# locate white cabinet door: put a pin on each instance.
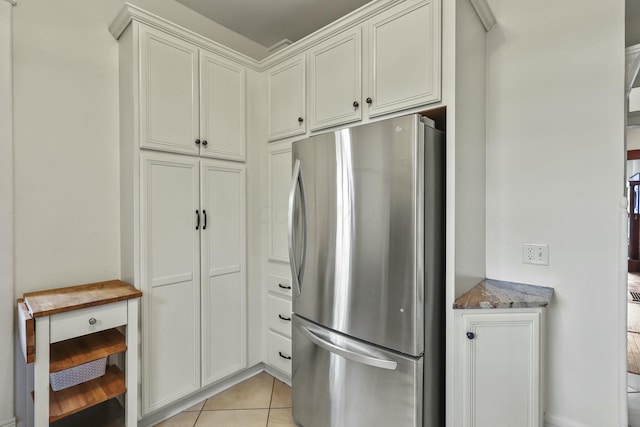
(501, 370)
(168, 93)
(279, 169)
(404, 58)
(335, 80)
(170, 276)
(224, 328)
(286, 99)
(222, 108)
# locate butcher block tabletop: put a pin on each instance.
(53, 301)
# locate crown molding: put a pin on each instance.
(130, 12)
(280, 45)
(349, 20)
(485, 13)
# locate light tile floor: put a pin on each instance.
(260, 401)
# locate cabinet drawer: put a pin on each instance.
(79, 322)
(279, 315)
(279, 352)
(279, 284)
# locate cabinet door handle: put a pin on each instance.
(471, 335)
(198, 219)
(284, 356)
(288, 319)
(197, 142)
(92, 321)
(355, 104)
(204, 226)
(280, 285)
(369, 101)
(300, 120)
(204, 142)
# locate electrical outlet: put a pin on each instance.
(533, 253)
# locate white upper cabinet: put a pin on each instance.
(222, 108)
(404, 63)
(168, 93)
(191, 101)
(286, 99)
(335, 80)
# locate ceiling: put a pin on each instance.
(268, 22)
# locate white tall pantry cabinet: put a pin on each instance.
(183, 214)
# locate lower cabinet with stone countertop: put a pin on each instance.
(499, 343)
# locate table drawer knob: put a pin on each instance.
(92, 321)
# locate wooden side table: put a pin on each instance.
(67, 327)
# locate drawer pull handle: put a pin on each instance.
(471, 335)
(284, 356)
(288, 319)
(280, 285)
(92, 321)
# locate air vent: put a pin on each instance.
(635, 296)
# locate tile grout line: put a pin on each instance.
(273, 386)
(199, 413)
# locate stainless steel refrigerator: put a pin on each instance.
(366, 248)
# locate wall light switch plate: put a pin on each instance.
(535, 253)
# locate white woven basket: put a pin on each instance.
(78, 374)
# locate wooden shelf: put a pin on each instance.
(82, 396)
(85, 349)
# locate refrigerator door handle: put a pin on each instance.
(295, 272)
(364, 359)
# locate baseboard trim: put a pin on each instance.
(8, 423)
(556, 421)
(278, 374)
(186, 403)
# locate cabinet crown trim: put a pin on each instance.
(130, 12)
(485, 14)
(343, 23)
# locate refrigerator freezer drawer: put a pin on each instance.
(342, 382)
(279, 315)
(279, 352)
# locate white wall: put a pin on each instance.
(66, 143)
(6, 219)
(555, 159)
(470, 146)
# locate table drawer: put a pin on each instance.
(76, 323)
(279, 352)
(279, 315)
